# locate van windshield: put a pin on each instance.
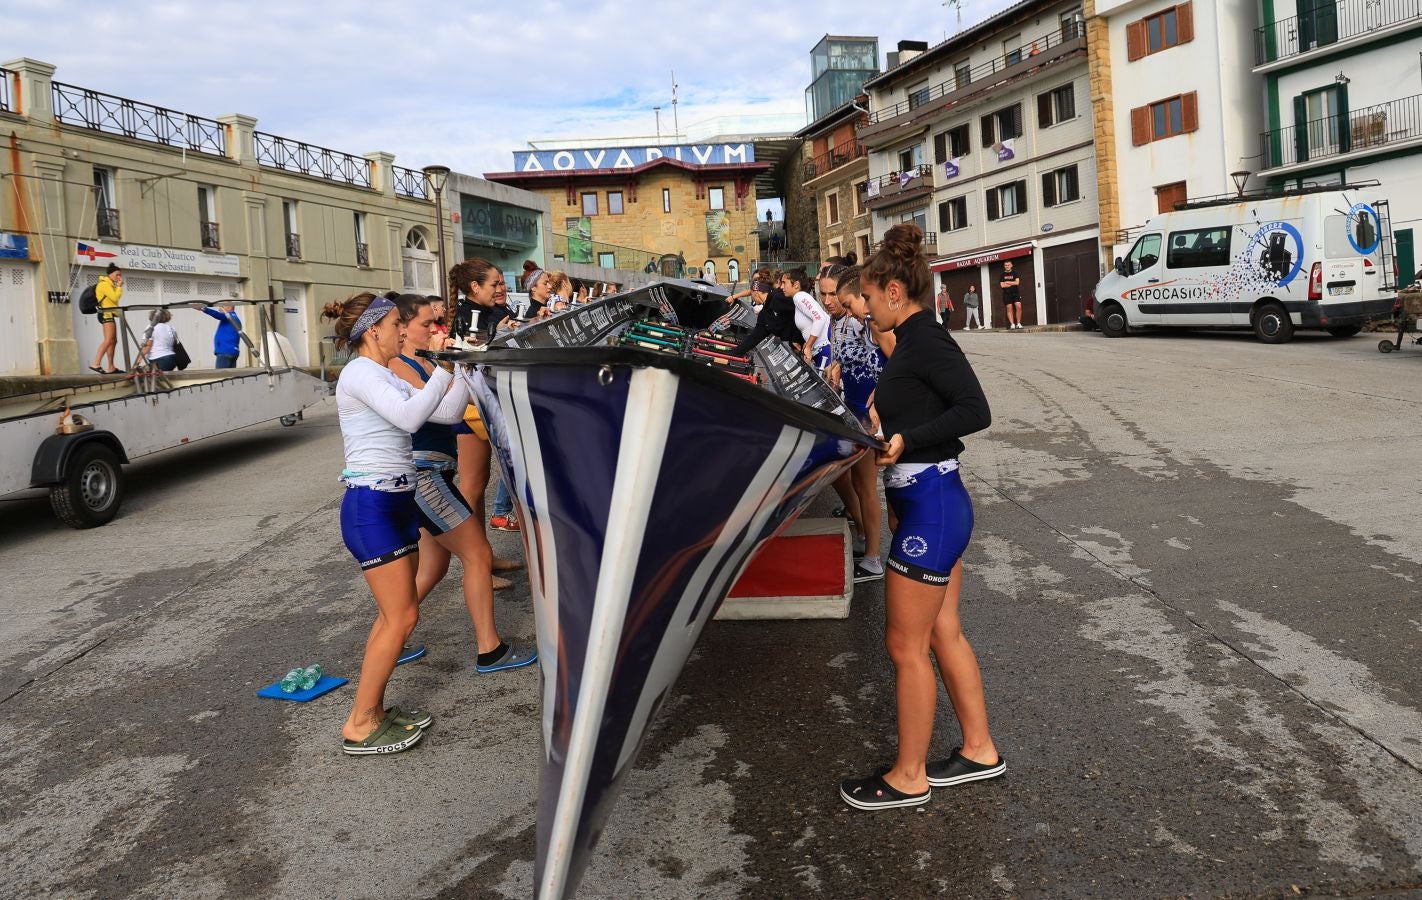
(1144, 254)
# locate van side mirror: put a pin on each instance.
(1120, 267)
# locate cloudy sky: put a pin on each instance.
(461, 83)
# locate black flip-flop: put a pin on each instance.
(96, 369)
(874, 792)
(958, 769)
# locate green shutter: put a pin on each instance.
(1345, 128)
(1300, 129)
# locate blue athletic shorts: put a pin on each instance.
(935, 519)
(442, 507)
(379, 526)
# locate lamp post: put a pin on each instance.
(437, 175)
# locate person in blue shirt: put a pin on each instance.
(226, 343)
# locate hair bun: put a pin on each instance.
(851, 258)
(334, 310)
(904, 241)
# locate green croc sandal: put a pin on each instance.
(417, 717)
(388, 737)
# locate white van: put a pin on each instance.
(1313, 259)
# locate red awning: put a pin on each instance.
(968, 262)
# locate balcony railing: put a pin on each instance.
(307, 159)
(211, 236)
(930, 244)
(84, 108)
(108, 222)
(1328, 24)
(293, 246)
(363, 255)
(1030, 51)
(411, 183)
(897, 187)
(1361, 129)
(832, 159)
(5, 76)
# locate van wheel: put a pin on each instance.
(92, 488)
(1112, 321)
(1345, 331)
(1272, 325)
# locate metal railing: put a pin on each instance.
(276, 152)
(833, 158)
(575, 249)
(211, 236)
(107, 222)
(1066, 33)
(84, 108)
(930, 244)
(1361, 129)
(293, 246)
(1328, 24)
(886, 187)
(411, 183)
(5, 76)
(363, 255)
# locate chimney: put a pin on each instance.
(907, 51)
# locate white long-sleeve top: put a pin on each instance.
(378, 411)
(811, 319)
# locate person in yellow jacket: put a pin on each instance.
(108, 292)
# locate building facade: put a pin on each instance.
(194, 210)
(986, 141)
(835, 169)
(673, 210)
(1342, 100)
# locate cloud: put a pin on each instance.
(464, 84)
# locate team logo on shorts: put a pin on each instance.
(913, 546)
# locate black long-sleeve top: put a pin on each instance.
(928, 392)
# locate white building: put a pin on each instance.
(986, 140)
(1344, 100)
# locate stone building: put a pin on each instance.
(195, 210)
(835, 168)
(668, 209)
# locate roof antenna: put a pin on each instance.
(957, 5)
(676, 121)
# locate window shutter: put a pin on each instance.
(1341, 128)
(1017, 120)
(1049, 189)
(1073, 185)
(1185, 22)
(1190, 112)
(992, 205)
(988, 138)
(1021, 188)
(1044, 110)
(1300, 129)
(940, 147)
(1140, 125)
(1136, 40)
(943, 217)
(1068, 110)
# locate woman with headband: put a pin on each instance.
(928, 400)
(379, 518)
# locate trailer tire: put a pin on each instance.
(1345, 331)
(1112, 321)
(92, 488)
(1272, 324)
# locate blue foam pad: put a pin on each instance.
(411, 655)
(324, 686)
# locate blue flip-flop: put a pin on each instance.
(410, 654)
(512, 658)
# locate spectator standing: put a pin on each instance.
(226, 343)
(161, 348)
(944, 306)
(1011, 296)
(108, 292)
(970, 305)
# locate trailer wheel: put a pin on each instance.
(288, 421)
(1387, 346)
(1112, 321)
(1272, 325)
(1345, 331)
(92, 488)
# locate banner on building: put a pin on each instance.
(14, 246)
(951, 168)
(872, 189)
(718, 232)
(585, 160)
(580, 240)
(906, 177)
(139, 257)
(1006, 150)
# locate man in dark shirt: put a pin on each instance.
(1011, 296)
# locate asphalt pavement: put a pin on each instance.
(1195, 589)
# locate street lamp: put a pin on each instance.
(1241, 178)
(437, 175)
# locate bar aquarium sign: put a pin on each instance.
(631, 157)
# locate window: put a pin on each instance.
(708, 271)
(733, 271)
(1168, 195)
(590, 204)
(1166, 29)
(1012, 49)
(292, 229)
(716, 197)
(836, 248)
(1144, 254)
(862, 244)
(832, 208)
(1164, 119)
(666, 200)
(1061, 186)
(918, 95)
(1055, 107)
(910, 157)
(962, 74)
(207, 217)
(952, 144)
(1199, 248)
(858, 194)
(1006, 201)
(614, 203)
(1002, 125)
(953, 214)
(1073, 24)
(1320, 120)
(1318, 23)
(362, 247)
(105, 203)
(607, 260)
